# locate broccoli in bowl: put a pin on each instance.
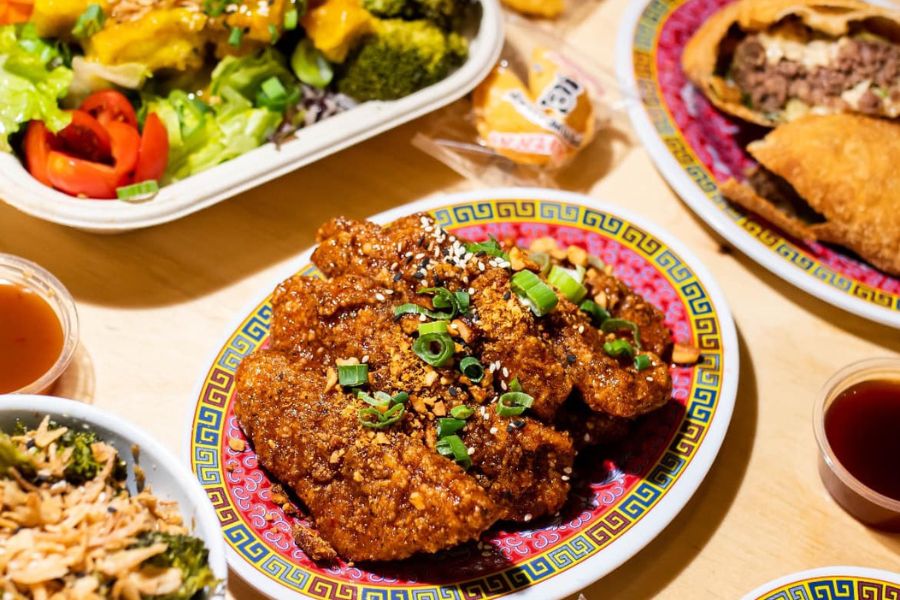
(69, 527)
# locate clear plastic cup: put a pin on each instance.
(860, 501)
(28, 275)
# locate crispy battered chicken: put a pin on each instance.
(388, 493)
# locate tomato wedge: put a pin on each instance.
(110, 105)
(77, 176)
(153, 155)
(86, 137)
(37, 145)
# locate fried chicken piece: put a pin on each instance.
(521, 463)
(374, 496)
(623, 303)
(341, 318)
(588, 428)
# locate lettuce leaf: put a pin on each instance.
(203, 135)
(33, 78)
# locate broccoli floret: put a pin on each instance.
(400, 58)
(82, 466)
(442, 12)
(187, 554)
(12, 457)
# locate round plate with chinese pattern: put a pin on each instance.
(831, 583)
(621, 497)
(695, 147)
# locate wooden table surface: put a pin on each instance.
(155, 304)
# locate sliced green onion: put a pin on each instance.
(399, 398)
(461, 412)
(566, 282)
(310, 65)
(380, 399)
(597, 314)
(457, 302)
(138, 192)
(89, 22)
(274, 89)
(433, 327)
(542, 259)
(448, 426)
(234, 38)
(375, 419)
(641, 362)
(617, 348)
(290, 19)
(512, 404)
(514, 385)
(613, 325)
(353, 375)
(274, 34)
(435, 348)
(491, 248)
(539, 296)
(453, 447)
(472, 368)
(214, 8)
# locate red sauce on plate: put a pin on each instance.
(31, 337)
(863, 429)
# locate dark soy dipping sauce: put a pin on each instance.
(863, 429)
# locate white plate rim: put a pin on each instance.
(834, 571)
(643, 531)
(207, 522)
(262, 164)
(703, 207)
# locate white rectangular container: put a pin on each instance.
(267, 162)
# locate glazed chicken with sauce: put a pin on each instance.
(391, 489)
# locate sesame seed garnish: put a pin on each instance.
(527, 517)
(379, 296)
(587, 437)
(565, 478)
(471, 451)
(567, 470)
(503, 386)
(493, 431)
(505, 372)
(365, 359)
(581, 329)
(422, 318)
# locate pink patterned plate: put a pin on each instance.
(622, 497)
(831, 583)
(695, 147)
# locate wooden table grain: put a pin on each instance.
(155, 304)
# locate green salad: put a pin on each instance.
(115, 98)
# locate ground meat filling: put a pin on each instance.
(782, 194)
(861, 74)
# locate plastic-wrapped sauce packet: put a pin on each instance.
(532, 120)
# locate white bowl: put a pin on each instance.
(19, 189)
(168, 478)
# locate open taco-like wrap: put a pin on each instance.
(772, 61)
(831, 179)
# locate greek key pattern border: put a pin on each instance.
(835, 588)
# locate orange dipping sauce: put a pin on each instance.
(31, 337)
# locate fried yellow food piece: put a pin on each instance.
(55, 18)
(548, 9)
(336, 25)
(161, 39)
(773, 61)
(845, 168)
